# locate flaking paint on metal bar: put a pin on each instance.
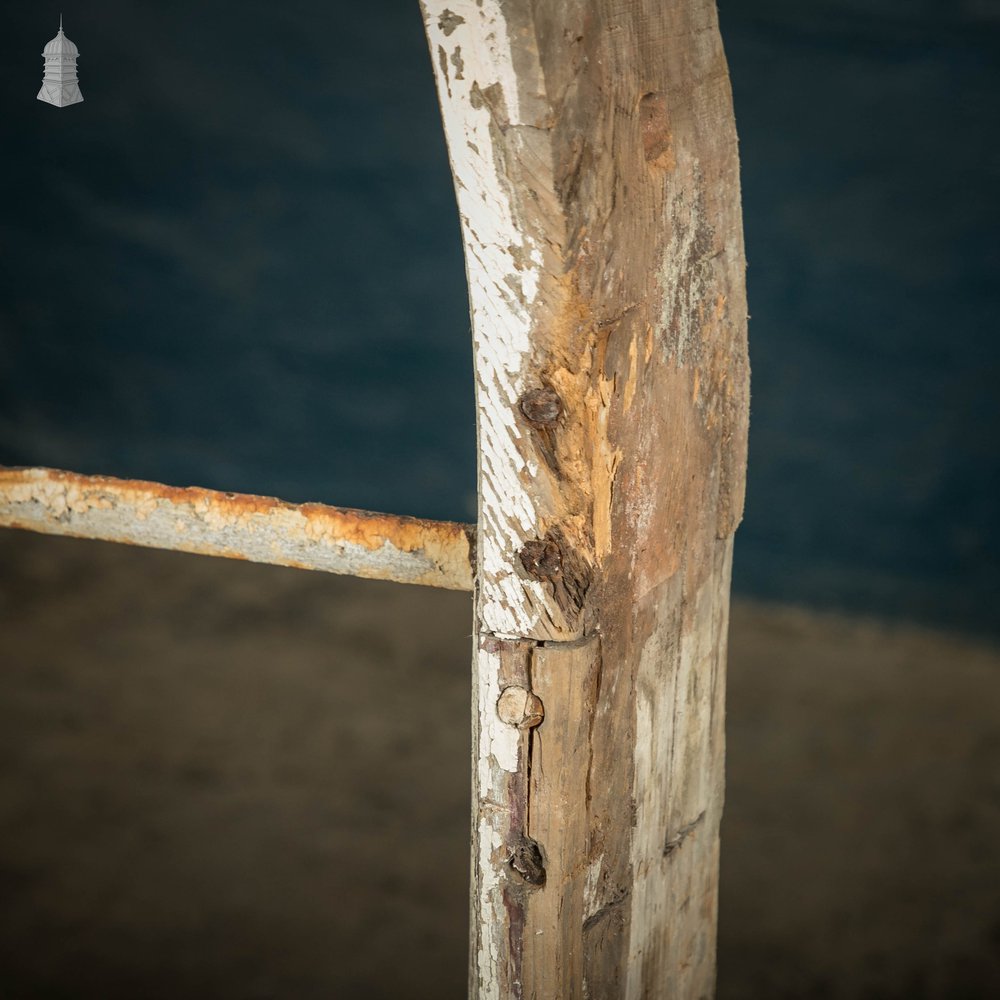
(240, 526)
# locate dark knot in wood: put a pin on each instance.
(657, 138)
(542, 559)
(541, 407)
(554, 561)
(526, 860)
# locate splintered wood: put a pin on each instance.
(594, 154)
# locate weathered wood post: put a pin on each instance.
(594, 155)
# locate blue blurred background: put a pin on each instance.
(237, 265)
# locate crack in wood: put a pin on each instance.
(673, 843)
(606, 910)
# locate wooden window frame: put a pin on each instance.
(594, 156)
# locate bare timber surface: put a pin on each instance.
(594, 154)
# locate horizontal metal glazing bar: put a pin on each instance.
(239, 526)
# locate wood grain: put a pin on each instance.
(566, 681)
(594, 154)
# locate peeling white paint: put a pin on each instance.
(508, 515)
(499, 743)
(491, 909)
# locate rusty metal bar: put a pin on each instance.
(239, 526)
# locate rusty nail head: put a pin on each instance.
(526, 859)
(541, 407)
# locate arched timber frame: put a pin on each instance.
(594, 156)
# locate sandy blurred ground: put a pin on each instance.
(220, 780)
